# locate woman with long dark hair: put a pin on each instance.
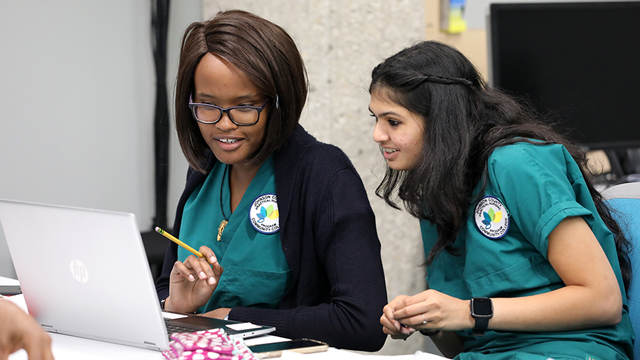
(524, 260)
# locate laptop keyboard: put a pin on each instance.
(172, 329)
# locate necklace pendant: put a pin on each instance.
(223, 224)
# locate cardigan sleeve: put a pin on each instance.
(162, 283)
(347, 249)
(171, 255)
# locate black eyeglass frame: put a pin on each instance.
(192, 105)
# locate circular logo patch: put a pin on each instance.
(264, 214)
(491, 217)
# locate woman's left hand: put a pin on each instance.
(389, 325)
(433, 310)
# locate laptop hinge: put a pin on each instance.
(151, 345)
(49, 328)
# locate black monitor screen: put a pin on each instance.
(578, 63)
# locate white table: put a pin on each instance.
(70, 348)
(66, 347)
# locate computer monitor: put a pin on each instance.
(579, 63)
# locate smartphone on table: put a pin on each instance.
(305, 346)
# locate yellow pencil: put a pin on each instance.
(175, 240)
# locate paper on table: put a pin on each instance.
(168, 315)
(264, 339)
(243, 326)
(336, 354)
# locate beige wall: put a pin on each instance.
(341, 41)
(472, 43)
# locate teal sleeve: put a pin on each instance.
(537, 185)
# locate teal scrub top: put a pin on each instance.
(256, 272)
(531, 189)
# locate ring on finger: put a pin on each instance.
(424, 321)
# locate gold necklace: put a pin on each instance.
(224, 222)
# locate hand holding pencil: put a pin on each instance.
(193, 281)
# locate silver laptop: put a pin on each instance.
(84, 273)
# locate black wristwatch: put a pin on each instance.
(482, 311)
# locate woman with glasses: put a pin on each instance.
(524, 260)
(283, 218)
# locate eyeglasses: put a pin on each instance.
(240, 115)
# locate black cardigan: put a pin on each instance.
(328, 235)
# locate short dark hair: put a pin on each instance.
(269, 58)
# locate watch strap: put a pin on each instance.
(482, 323)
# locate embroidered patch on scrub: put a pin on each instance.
(491, 217)
(264, 214)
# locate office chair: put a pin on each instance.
(624, 200)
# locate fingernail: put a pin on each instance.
(212, 280)
(213, 260)
(397, 325)
(191, 278)
(203, 275)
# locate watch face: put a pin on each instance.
(482, 307)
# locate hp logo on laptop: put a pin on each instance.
(79, 271)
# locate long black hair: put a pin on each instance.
(466, 120)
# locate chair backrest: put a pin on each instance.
(624, 200)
